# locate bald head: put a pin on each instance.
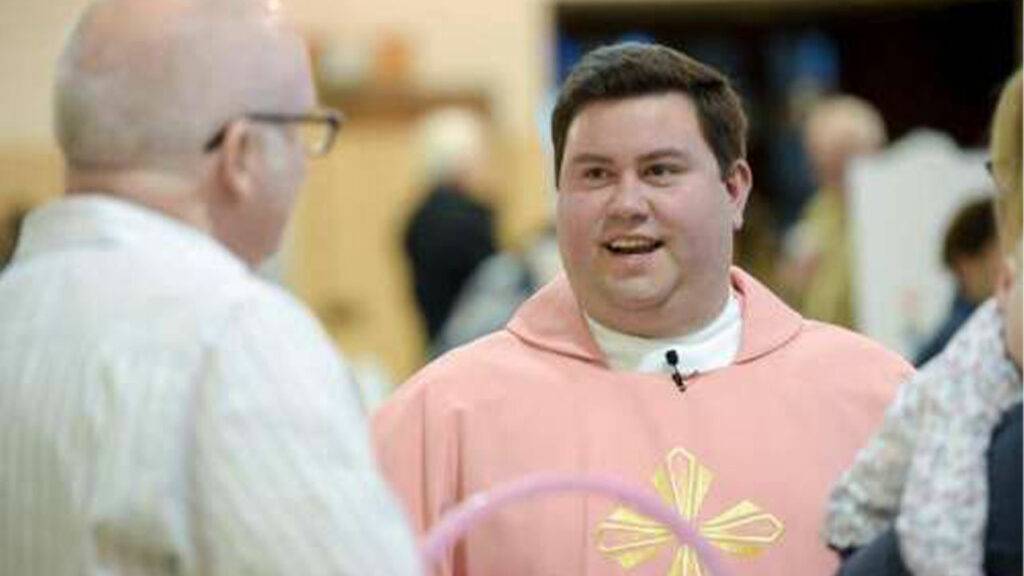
(142, 84)
(838, 129)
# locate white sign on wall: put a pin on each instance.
(901, 202)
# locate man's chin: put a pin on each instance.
(636, 294)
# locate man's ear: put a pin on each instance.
(738, 181)
(238, 158)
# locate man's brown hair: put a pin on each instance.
(629, 70)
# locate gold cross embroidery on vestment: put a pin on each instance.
(631, 539)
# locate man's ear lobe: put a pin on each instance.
(738, 181)
(237, 161)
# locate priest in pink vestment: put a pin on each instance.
(652, 359)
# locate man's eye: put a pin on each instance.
(595, 173)
(662, 171)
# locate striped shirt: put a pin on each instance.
(163, 411)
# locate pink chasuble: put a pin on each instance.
(747, 454)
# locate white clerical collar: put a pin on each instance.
(713, 346)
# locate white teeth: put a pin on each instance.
(631, 244)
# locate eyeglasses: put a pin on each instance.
(317, 130)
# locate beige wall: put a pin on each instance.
(31, 33)
(499, 46)
(345, 256)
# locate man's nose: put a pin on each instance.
(629, 199)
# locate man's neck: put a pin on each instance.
(676, 319)
(166, 193)
(712, 346)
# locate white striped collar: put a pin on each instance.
(101, 219)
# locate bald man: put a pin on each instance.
(817, 266)
(163, 411)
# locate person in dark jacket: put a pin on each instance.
(451, 231)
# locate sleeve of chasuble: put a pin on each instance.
(284, 478)
(418, 454)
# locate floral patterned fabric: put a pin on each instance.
(925, 468)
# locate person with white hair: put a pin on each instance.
(162, 410)
(451, 231)
(817, 263)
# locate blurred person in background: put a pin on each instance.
(970, 251)
(162, 409)
(452, 230)
(498, 286)
(937, 491)
(816, 271)
(651, 357)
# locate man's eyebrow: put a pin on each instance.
(589, 158)
(662, 153)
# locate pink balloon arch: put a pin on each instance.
(457, 522)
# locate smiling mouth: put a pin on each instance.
(629, 246)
